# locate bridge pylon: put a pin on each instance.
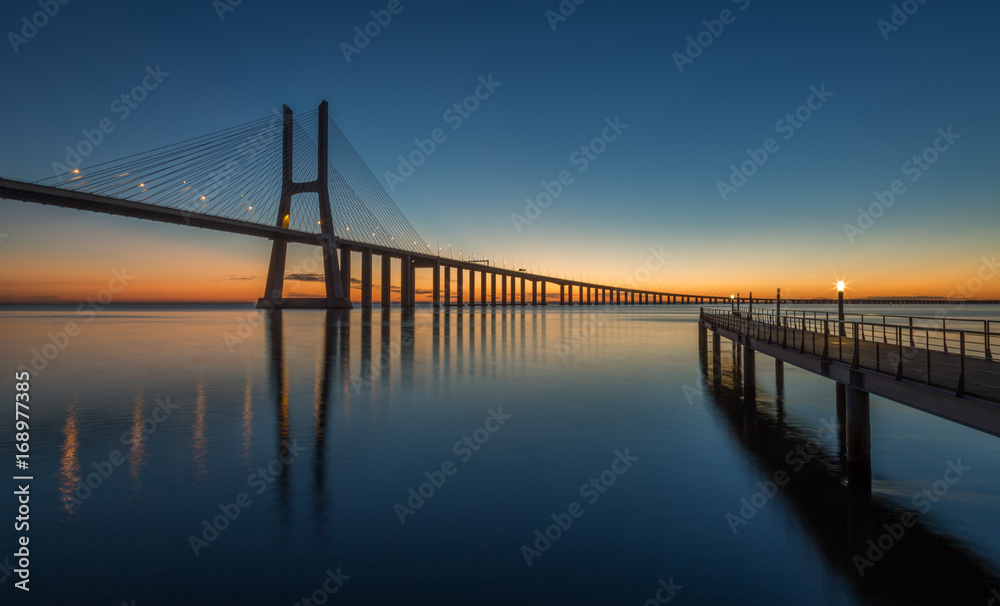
(336, 294)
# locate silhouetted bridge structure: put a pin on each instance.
(243, 180)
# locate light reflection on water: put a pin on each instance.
(374, 400)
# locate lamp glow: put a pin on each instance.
(840, 286)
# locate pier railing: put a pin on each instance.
(956, 354)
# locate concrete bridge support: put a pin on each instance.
(447, 286)
(366, 279)
(436, 284)
(482, 288)
(472, 288)
(545, 299)
(493, 289)
(459, 287)
(386, 281)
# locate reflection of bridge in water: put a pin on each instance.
(837, 510)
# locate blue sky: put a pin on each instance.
(656, 185)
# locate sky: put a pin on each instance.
(755, 145)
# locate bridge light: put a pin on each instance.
(142, 185)
(203, 197)
(249, 208)
(76, 170)
(840, 286)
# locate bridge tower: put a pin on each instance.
(336, 295)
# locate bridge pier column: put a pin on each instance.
(503, 291)
(366, 279)
(513, 290)
(493, 289)
(534, 292)
(472, 288)
(545, 299)
(447, 286)
(749, 375)
(482, 288)
(345, 271)
(522, 290)
(569, 294)
(779, 376)
(459, 287)
(407, 296)
(386, 281)
(436, 284)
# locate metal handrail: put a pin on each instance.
(898, 346)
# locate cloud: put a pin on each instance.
(305, 277)
(235, 277)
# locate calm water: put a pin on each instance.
(301, 435)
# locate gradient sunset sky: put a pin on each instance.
(890, 91)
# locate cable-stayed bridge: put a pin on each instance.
(271, 178)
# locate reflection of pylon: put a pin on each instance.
(336, 297)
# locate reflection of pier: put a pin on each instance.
(844, 519)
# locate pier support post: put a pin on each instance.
(859, 433)
(749, 375)
(545, 299)
(366, 278)
(482, 288)
(503, 291)
(493, 289)
(562, 294)
(472, 288)
(459, 287)
(779, 377)
(716, 355)
(534, 292)
(522, 291)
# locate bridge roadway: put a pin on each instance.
(946, 372)
(587, 292)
